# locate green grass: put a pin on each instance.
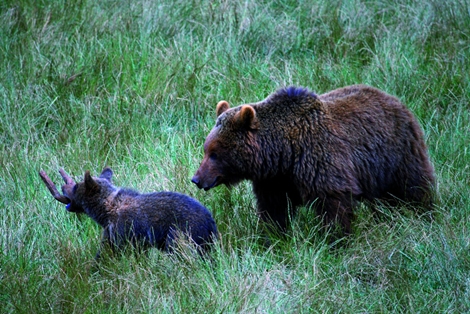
(134, 84)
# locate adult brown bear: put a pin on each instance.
(329, 150)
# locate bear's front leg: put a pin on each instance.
(275, 201)
(337, 211)
(108, 241)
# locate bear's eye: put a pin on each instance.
(213, 156)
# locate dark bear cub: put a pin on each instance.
(127, 216)
(331, 150)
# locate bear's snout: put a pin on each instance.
(205, 184)
(196, 181)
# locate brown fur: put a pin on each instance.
(331, 150)
(145, 220)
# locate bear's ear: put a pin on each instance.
(222, 106)
(246, 117)
(107, 174)
(90, 184)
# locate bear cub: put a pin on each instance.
(127, 216)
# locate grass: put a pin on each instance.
(134, 84)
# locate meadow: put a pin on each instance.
(133, 85)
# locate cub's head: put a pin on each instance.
(92, 191)
(229, 148)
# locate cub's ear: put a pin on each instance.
(90, 184)
(107, 174)
(222, 106)
(246, 117)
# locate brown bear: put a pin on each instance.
(127, 216)
(329, 151)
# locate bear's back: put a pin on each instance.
(155, 216)
(172, 208)
(362, 100)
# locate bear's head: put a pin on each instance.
(90, 192)
(230, 148)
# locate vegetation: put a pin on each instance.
(134, 84)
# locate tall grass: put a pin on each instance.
(133, 85)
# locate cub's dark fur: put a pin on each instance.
(144, 220)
